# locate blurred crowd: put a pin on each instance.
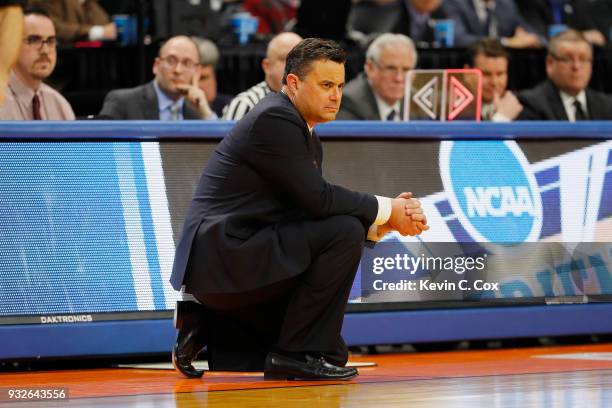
(390, 33)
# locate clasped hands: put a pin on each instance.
(407, 217)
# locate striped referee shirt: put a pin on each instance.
(244, 101)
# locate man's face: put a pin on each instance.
(388, 75)
(425, 6)
(571, 67)
(177, 64)
(208, 82)
(318, 94)
(494, 76)
(38, 54)
(274, 63)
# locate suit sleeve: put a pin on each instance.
(346, 114)
(463, 38)
(347, 109)
(113, 107)
(278, 150)
(530, 110)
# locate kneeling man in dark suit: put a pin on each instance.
(269, 248)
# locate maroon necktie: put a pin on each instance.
(36, 107)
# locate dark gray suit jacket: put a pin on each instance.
(544, 103)
(243, 229)
(359, 102)
(139, 103)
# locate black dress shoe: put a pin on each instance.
(189, 320)
(279, 367)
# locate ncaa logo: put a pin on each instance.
(492, 190)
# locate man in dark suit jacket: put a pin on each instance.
(173, 94)
(499, 19)
(378, 94)
(564, 95)
(269, 247)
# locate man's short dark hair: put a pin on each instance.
(569, 35)
(300, 58)
(489, 47)
(36, 11)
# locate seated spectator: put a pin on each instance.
(499, 19)
(378, 94)
(414, 18)
(78, 19)
(27, 97)
(172, 95)
(274, 69)
(564, 95)
(209, 57)
(498, 103)
(579, 14)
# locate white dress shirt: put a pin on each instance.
(568, 104)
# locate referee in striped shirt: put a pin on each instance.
(274, 68)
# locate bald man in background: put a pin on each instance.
(11, 31)
(173, 94)
(274, 67)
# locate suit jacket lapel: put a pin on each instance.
(370, 107)
(149, 103)
(595, 111)
(556, 105)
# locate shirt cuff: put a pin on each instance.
(373, 233)
(500, 118)
(96, 33)
(384, 210)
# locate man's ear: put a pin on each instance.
(293, 82)
(549, 64)
(156, 65)
(265, 65)
(368, 67)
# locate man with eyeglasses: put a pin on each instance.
(378, 93)
(172, 95)
(27, 97)
(564, 95)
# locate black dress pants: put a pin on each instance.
(303, 314)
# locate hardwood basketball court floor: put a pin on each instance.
(543, 377)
